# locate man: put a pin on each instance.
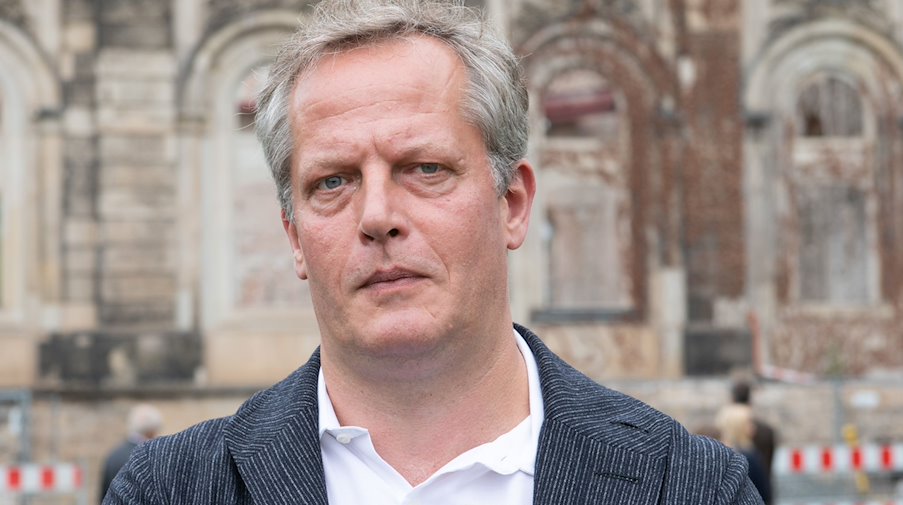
(764, 437)
(396, 132)
(144, 423)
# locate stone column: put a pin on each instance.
(136, 208)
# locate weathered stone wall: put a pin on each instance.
(118, 77)
(123, 249)
(712, 176)
(823, 269)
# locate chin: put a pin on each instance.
(403, 338)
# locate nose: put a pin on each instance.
(381, 216)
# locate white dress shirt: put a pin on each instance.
(497, 472)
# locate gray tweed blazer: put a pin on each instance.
(597, 446)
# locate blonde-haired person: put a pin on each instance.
(736, 428)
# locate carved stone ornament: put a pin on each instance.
(12, 11)
(872, 13)
(133, 12)
(534, 15)
(224, 11)
(876, 5)
(861, 7)
(578, 8)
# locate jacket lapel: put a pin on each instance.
(274, 441)
(596, 446)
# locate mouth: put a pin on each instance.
(390, 277)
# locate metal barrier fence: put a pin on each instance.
(839, 459)
(28, 480)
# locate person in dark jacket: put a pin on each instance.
(765, 437)
(144, 423)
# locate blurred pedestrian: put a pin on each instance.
(764, 437)
(736, 427)
(144, 423)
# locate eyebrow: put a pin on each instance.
(427, 148)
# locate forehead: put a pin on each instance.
(400, 97)
(389, 70)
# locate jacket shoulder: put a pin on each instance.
(702, 470)
(697, 469)
(169, 468)
(623, 433)
(191, 466)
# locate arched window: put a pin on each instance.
(830, 107)
(28, 159)
(581, 104)
(237, 257)
(588, 200)
(246, 278)
(831, 187)
(12, 238)
(261, 255)
(2, 194)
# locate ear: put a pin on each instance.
(291, 231)
(519, 203)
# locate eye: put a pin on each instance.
(331, 182)
(429, 168)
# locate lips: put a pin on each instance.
(384, 277)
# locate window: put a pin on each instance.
(831, 183)
(830, 108)
(587, 256)
(261, 255)
(588, 208)
(246, 99)
(2, 214)
(580, 103)
(833, 245)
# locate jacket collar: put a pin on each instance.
(273, 441)
(596, 446)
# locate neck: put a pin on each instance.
(419, 425)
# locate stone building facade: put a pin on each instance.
(720, 186)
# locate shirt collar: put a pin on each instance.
(329, 422)
(537, 408)
(518, 456)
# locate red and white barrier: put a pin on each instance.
(838, 459)
(31, 478)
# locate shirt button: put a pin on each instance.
(343, 438)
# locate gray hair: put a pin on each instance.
(495, 101)
(145, 420)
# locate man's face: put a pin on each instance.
(398, 227)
